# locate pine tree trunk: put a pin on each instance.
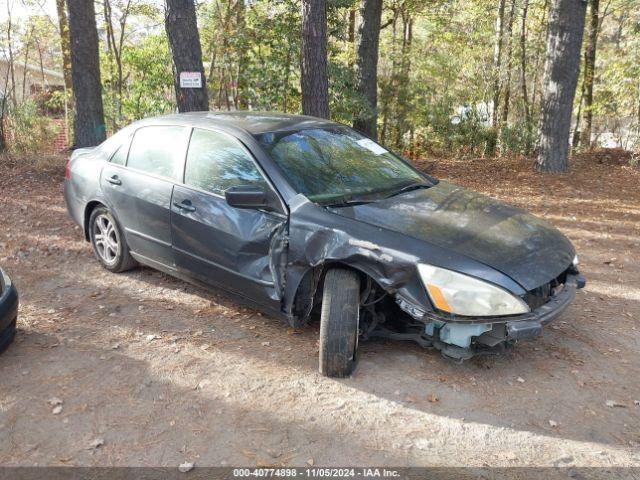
(504, 119)
(313, 77)
(88, 120)
(184, 41)
(366, 81)
(589, 71)
(241, 53)
(564, 39)
(497, 60)
(523, 74)
(352, 26)
(63, 25)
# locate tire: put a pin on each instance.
(339, 323)
(108, 242)
(7, 336)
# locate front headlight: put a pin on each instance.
(460, 294)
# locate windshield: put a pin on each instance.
(330, 164)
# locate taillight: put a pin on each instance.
(67, 170)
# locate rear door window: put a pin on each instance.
(159, 150)
(216, 161)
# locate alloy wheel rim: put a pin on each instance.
(105, 239)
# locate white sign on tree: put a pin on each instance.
(190, 80)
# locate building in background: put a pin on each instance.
(44, 87)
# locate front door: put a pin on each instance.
(140, 192)
(236, 249)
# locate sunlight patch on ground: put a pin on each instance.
(237, 379)
(617, 290)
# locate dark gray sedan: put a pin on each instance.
(305, 217)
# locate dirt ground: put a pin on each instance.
(151, 371)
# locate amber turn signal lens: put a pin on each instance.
(438, 298)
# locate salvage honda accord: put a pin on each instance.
(303, 217)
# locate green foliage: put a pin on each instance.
(150, 79)
(251, 53)
(435, 58)
(518, 137)
(149, 82)
(29, 131)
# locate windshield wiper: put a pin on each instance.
(347, 201)
(408, 188)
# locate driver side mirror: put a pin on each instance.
(248, 196)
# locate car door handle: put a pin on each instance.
(114, 180)
(185, 205)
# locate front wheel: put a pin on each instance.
(339, 323)
(7, 335)
(108, 241)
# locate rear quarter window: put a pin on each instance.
(120, 157)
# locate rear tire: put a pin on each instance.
(339, 323)
(7, 335)
(109, 244)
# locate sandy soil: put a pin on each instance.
(152, 371)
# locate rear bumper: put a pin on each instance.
(74, 207)
(8, 301)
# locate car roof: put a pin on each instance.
(255, 123)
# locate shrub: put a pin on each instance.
(27, 131)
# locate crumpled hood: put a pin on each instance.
(520, 245)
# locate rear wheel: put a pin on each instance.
(109, 244)
(339, 323)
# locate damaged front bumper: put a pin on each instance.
(462, 338)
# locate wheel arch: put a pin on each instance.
(88, 210)
(310, 286)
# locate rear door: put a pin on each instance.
(237, 249)
(140, 191)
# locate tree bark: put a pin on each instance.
(63, 25)
(184, 41)
(504, 119)
(352, 26)
(366, 78)
(88, 120)
(402, 88)
(241, 52)
(26, 46)
(523, 74)
(589, 71)
(313, 78)
(564, 39)
(11, 69)
(497, 60)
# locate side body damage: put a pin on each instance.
(395, 302)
